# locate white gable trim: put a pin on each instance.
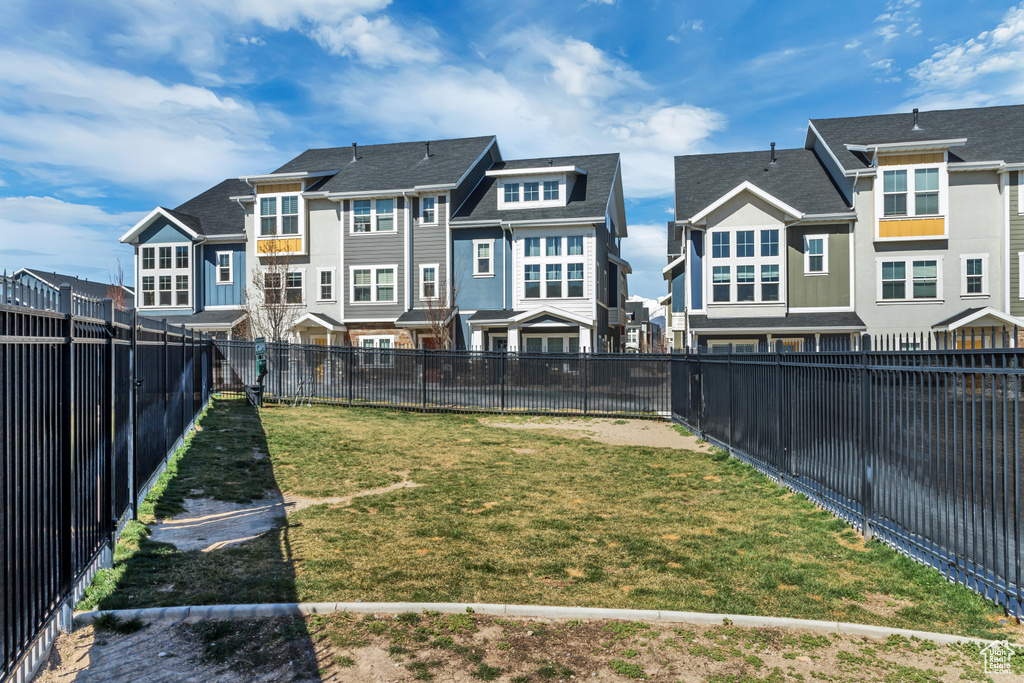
(747, 186)
(159, 211)
(550, 310)
(679, 261)
(1006, 319)
(313, 317)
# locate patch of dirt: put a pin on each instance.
(614, 432)
(467, 647)
(208, 524)
(857, 543)
(881, 604)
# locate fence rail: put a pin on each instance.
(453, 381)
(921, 449)
(75, 376)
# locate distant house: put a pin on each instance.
(640, 335)
(88, 288)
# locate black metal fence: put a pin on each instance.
(453, 381)
(920, 448)
(92, 400)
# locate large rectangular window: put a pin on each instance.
(553, 246)
(769, 243)
(554, 280)
(290, 215)
(531, 247)
(181, 257)
(169, 279)
(165, 258)
(745, 244)
(770, 282)
(745, 283)
(373, 284)
(531, 281)
(926, 277)
(721, 283)
(279, 217)
(574, 245)
(894, 185)
(720, 245)
(575, 276)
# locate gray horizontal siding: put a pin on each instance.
(373, 249)
(429, 247)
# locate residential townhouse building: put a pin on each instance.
(364, 242)
(640, 331)
(890, 224)
(91, 289)
(537, 247)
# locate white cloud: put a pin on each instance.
(376, 42)
(672, 39)
(897, 19)
(645, 250)
(79, 239)
(852, 45)
(252, 40)
(75, 123)
(551, 97)
(697, 25)
(983, 71)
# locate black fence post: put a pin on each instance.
(731, 401)
(423, 376)
(864, 438)
(586, 368)
(349, 371)
(502, 369)
(133, 411)
(66, 517)
(108, 405)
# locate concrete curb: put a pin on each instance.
(698, 618)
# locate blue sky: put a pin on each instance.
(108, 109)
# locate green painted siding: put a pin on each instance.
(819, 290)
(1016, 245)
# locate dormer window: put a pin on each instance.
(531, 192)
(551, 190)
(531, 188)
(911, 197)
(511, 192)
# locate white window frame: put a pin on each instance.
(173, 272)
(807, 255)
(231, 267)
(374, 215)
(964, 258)
(718, 343)
(565, 337)
(912, 214)
(258, 211)
(908, 291)
(733, 262)
(376, 358)
(423, 221)
(563, 259)
(437, 284)
(374, 301)
(476, 259)
(319, 284)
(540, 202)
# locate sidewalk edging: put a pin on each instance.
(549, 612)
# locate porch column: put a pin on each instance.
(586, 343)
(513, 339)
(476, 339)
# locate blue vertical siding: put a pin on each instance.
(214, 294)
(696, 268)
(481, 293)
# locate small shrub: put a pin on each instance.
(443, 642)
(485, 672)
(410, 618)
(627, 669)
(343, 661)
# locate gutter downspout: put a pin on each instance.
(339, 290)
(408, 252)
(505, 225)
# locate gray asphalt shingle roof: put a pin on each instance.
(812, 321)
(391, 166)
(798, 179)
(993, 133)
(589, 197)
(214, 212)
(637, 313)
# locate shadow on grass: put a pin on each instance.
(226, 461)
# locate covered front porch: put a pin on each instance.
(979, 328)
(541, 330)
(317, 328)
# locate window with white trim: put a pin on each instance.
(816, 255)
(371, 284)
(974, 275)
(428, 210)
(770, 242)
(224, 267)
(909, 279)
(559, 259)
(511, 192)
(325, 289)
(744, 244)
(721, 278)
(742, 272)
(531, 191)
(551, 343)
(279, 215)
(551, 190)
(428, 282)
(166, 275)
(770, 282)
(483, 258)
(720, 244)
(531, 247)
(912, 191)
(374, 344)
(373, 215)
(1020, 272)
(531, 281)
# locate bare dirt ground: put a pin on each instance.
(465, 647)
(208, 524)
(617, 432)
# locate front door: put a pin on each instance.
(499, 342)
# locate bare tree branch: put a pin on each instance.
(115, 290)
(271, 306)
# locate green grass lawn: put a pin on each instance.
(516, 516)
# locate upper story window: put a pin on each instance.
(288, 289)
(531, 192)
(531, 247)
(533, 189)
(974, 275)
(511, 192)
(483, 261)
(326, 292)
(428, 282)
(551, 190)
(165, 276)
(561, 264)
(279, 215)
(428, 209)
(720, 245)
(553, 246)
(816, 255)
(373, 284)
(745, 244)
(894, 185)
(373, 215)
(575, 245)
(769, 243)
(908, 280)
(224, 270)
(911, 192)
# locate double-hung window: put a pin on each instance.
(926, 191)
(373, 215)
(483, 259)
(428, 209)
(974, 269)
(720, 245)
(385, 209)
(268, 215)
(554, 280)
(575, 279)
(287, 289)
(361, 215)
(574, 245)
(721, 279)
(553, 246)
(926, 278)
(894, 280)
(911, 192)
(894, 186)
(769, 243)
(279, 215)
(815, 255)
(373, 284)
(326, 291)
(909, 279)
(166, 275)
(224, 274)
(770, 282)
(559, 261)
(745, 283)
(531, 280)
(377, 351)
(531, 247)
(428, 282)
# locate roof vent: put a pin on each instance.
(354, 150)
(551, 162)
(773, 153)
(426, 154)
(916, 127)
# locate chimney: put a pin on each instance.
(354, 156)
(773, 152)
(426, 155)
(916, 127)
